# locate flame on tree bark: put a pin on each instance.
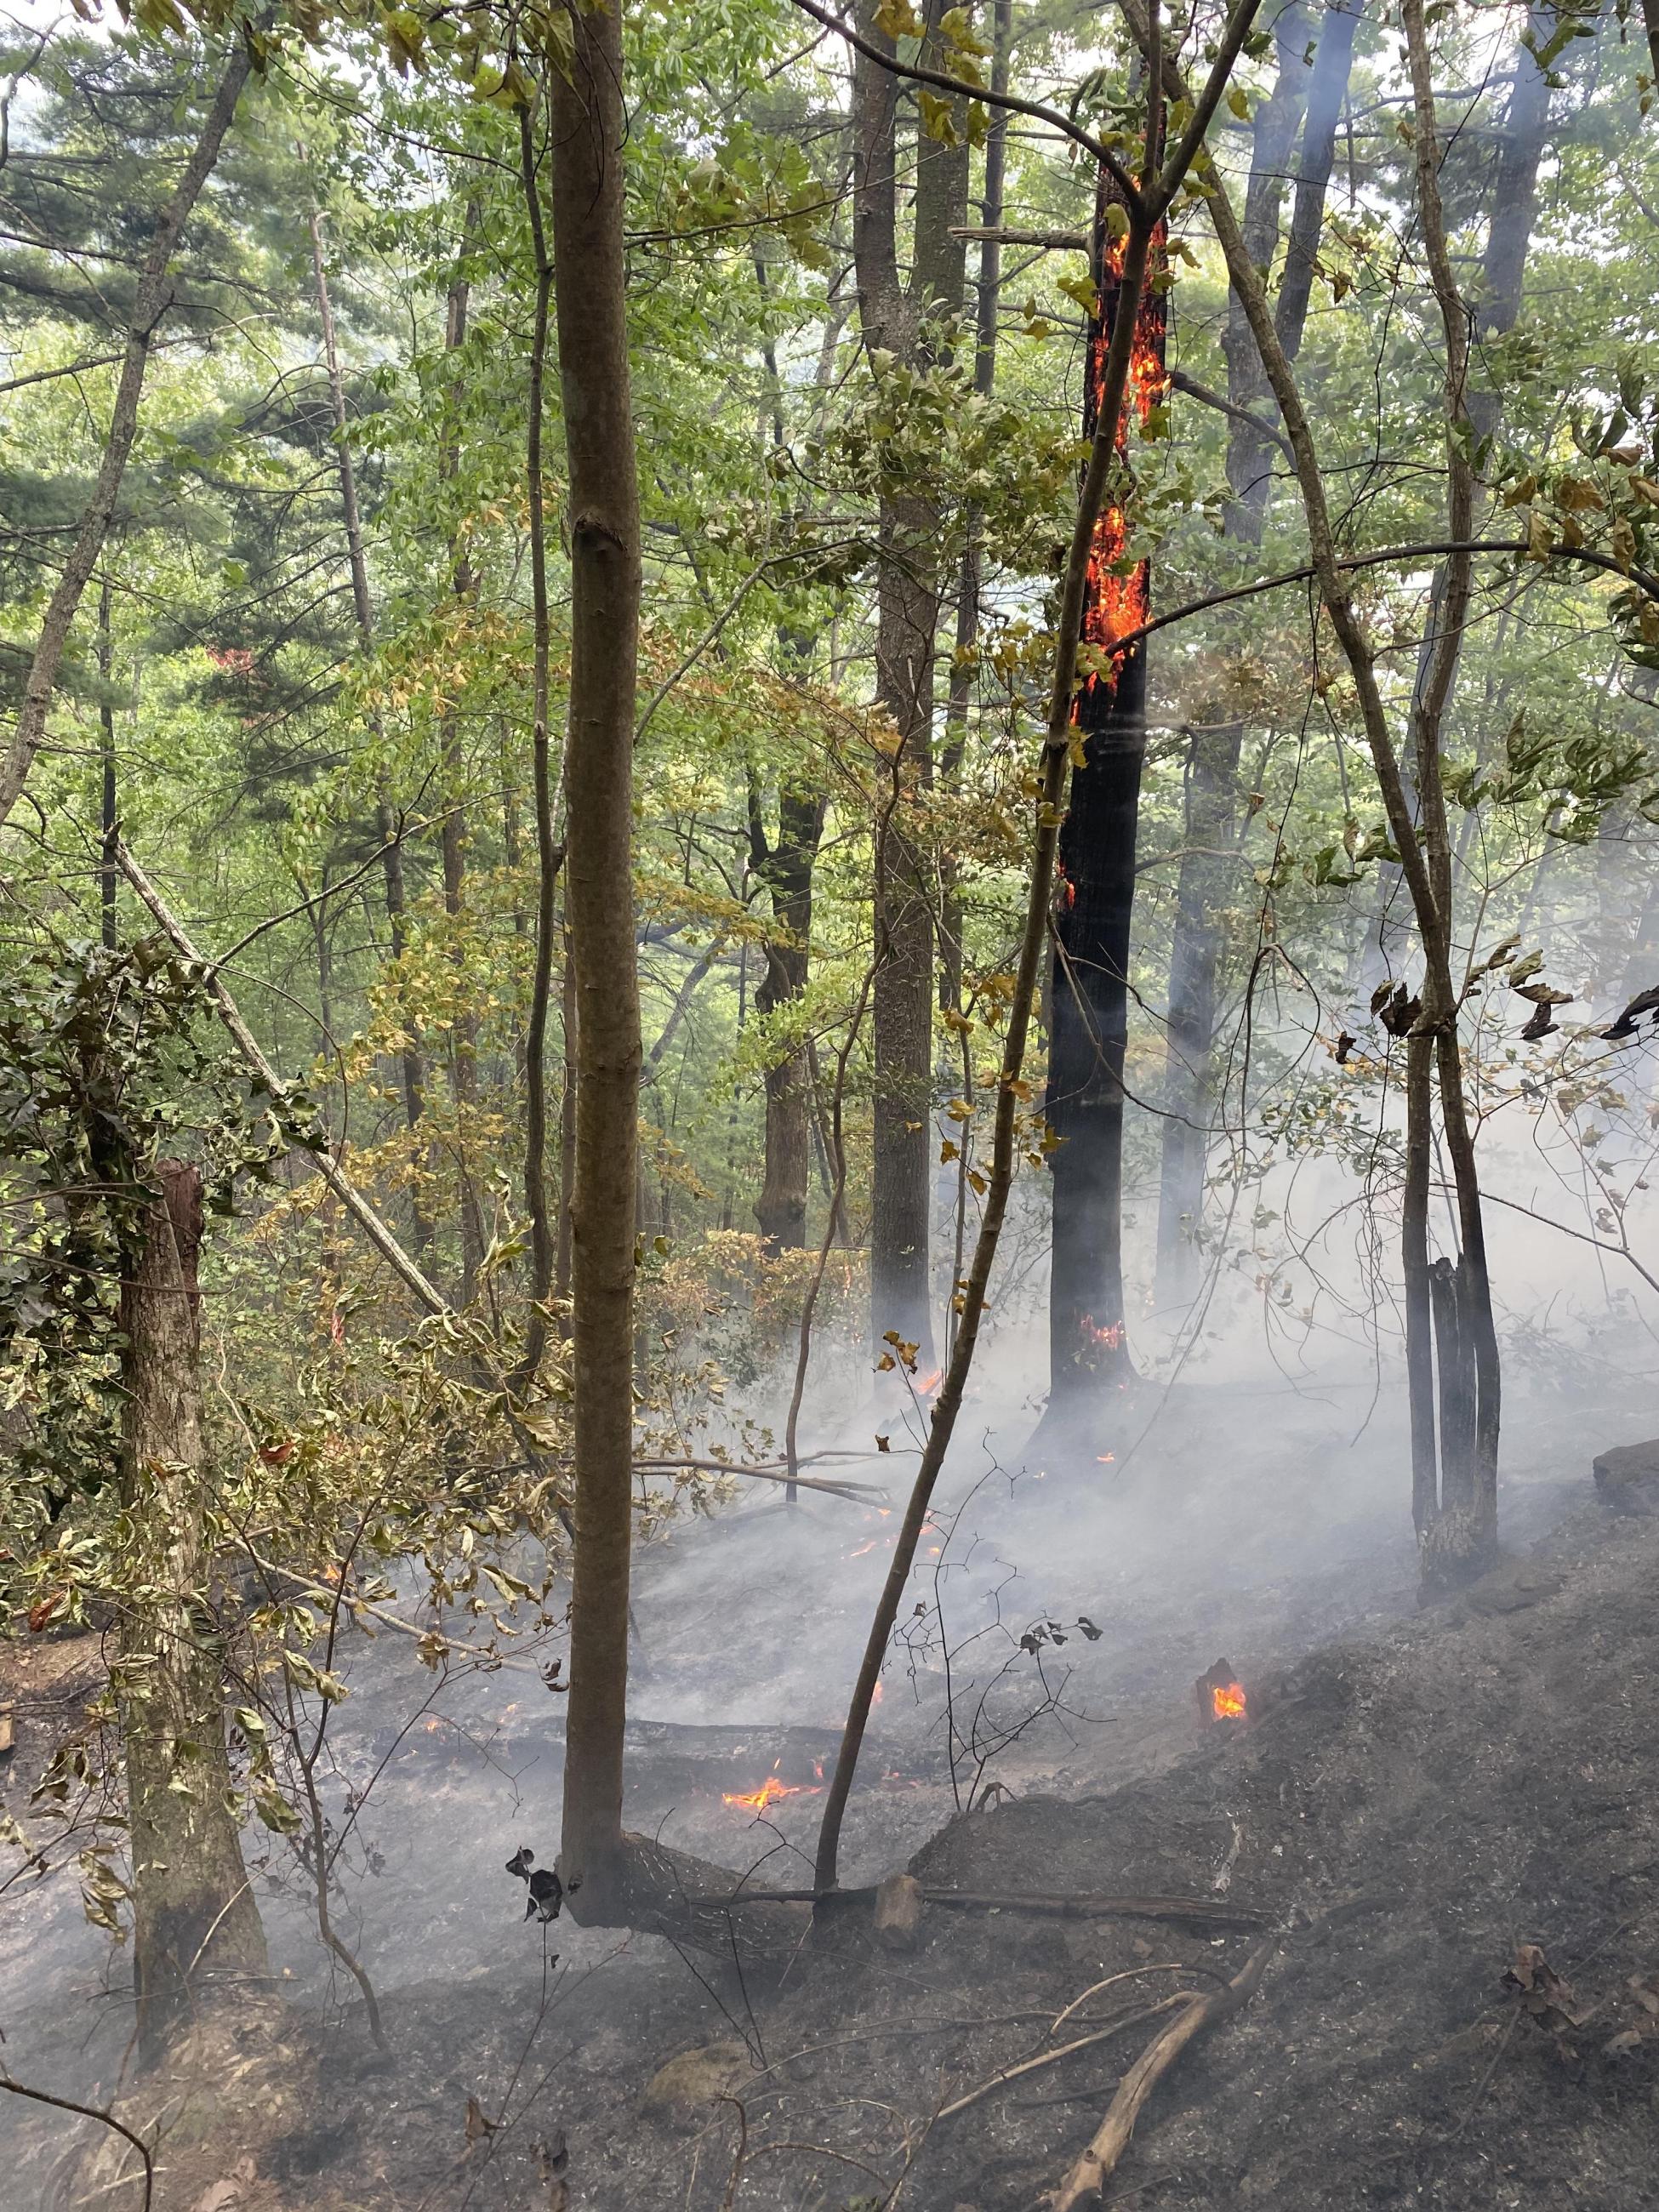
(1093, 911)
(196, 1927)
(1147, 202)
(586, 133)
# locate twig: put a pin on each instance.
(91, 2112)
(1066, 2051)
(1088, 2175)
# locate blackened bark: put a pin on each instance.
(197, 1932)
(1093, 915)
(786, 867)
(586, 137)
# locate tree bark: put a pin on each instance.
(900, 321)
(587, 136)
(150, 302)
(1206, 877)
(391, 853)
(1088, 1351)
(786, 867)
(463, 1065)
(197, 1932)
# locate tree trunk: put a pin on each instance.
(1514, 205)
(907, 594)
(391, 853)
(151, 299)
(786, 868)
(1088, 1351)
(1206, 875)
(197, 1932)
(109, 874)
(1327, 88)
(464, 1063)
(585, 136)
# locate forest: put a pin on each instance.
(829, 971)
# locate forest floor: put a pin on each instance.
(1405, 1810)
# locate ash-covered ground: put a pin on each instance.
(1456, 1782)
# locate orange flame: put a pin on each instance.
(1227, 1700)
(1111, 1336)
(1114, 604)
(756, 1801)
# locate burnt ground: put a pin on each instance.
(1405, 1810)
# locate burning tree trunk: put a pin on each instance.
(1088, 1355)
(585, 135)
(197, 1931)
(786, 868)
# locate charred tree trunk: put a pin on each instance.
(1088, 1351)
(197, 1932)
(586, 138)
(1206, 876)
(786, 868)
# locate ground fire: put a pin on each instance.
(1221, 1697)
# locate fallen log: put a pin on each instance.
(1092, 2170)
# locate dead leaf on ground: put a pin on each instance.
(1542, 1995)
(479, 2125)
(225, 2194)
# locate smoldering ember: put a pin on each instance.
(828, 1268)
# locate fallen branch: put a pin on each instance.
(1202, 2008)
(91, 2112)
(1190, 1911)
(1066, 2051)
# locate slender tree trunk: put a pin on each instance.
(392, 859)
(151, 299)
(1514, 210)
(586, 137)
(988, 295)
(1327, 88)
(907, 594)
(197, 1932)
(544, 1231)
(109, 874)
(1088, 1351)
(464, 1077)
(1207, 876)
(786, 867)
